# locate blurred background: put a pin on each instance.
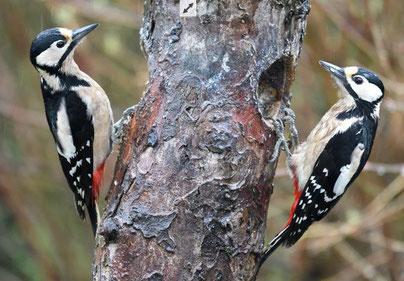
(41, 238)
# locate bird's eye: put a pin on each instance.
(358, 80)
(60, 44)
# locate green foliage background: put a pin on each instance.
(41, 238)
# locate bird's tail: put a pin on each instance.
(273, 245)
(94, 215)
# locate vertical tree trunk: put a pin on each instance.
(192, 184)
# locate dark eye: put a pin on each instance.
(60, 44)
(358, 80)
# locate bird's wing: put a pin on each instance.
(335, 169)
(75, 135)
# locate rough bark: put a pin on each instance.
(193, 181)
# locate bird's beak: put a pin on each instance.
(80, 33)
(336, 71)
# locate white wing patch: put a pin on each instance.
(67, 149)
(348, 171)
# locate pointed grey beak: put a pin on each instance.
(336, 71)
(80, 33)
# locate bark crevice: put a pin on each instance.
(193, 180)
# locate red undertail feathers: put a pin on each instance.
(297, 197)
(98, 178)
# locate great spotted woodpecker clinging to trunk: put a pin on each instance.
(78, 113)
(335, 152)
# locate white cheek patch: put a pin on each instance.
(49, 57)
(52, 55)
(366, 91)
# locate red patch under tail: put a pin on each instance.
(98, 178)
(297, 197)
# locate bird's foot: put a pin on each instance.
(119, 131)
(282, 143)
(290, 116)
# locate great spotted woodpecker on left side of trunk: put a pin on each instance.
(335, 152)
(78, 113)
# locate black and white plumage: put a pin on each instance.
(78, 113)
(334, 153)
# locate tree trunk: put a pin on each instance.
(192, 184)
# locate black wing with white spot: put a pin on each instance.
(78, 169)
(336, 168)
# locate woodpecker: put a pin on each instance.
(335, 152)
(78, 113)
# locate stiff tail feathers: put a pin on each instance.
(94, 215)
(274, 244)
(283, 236)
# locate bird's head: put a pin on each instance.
(54, 47)
(362, 84)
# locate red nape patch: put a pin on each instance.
(98, 178)
(297, 197)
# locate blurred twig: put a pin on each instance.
(385, 196)
(384, 168)
(362, 265)
(351, 273)
(101, 11)
(395, 245)
(343, 23)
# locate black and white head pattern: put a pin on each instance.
(51, 47)
(365, 85)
